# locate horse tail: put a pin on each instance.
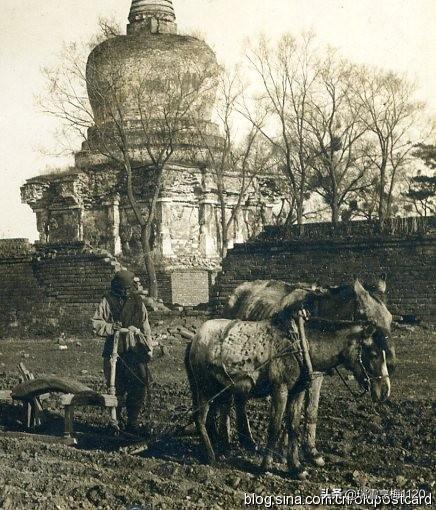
(191, 376)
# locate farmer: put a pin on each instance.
(122, 309)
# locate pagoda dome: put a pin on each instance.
(147, 59)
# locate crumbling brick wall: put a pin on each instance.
(406, 254)
(46, 290)
(19, 289)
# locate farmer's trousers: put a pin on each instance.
(130, 381)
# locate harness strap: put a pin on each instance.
(304, 344)
(355, 395)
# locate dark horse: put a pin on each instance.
(261, 299)
(243, 360)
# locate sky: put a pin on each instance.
(395, 34)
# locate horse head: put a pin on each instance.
(371, 306)
(366, 357)
(354, 302)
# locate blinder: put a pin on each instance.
(366, 377)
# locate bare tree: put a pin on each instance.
(391, 118)
(136, 122)
(286, 75)
(239, 158)
(335, 135)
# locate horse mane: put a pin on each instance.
(281, 320)
(275, 299)
(257, 300)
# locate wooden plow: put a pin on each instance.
(32, 392)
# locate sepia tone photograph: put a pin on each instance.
(217, 254)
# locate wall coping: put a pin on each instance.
(394, 228)
(330, 243)
(15, 248)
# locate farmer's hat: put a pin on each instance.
(122, 281)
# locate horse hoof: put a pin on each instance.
(303, 475)
(318, 461)
(209, 460)
(314, 457)
(299, 474)
(222, 453)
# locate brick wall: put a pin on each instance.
(406, 254)
(50, 289)
(19, 289)
(74, 276)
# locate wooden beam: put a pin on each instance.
(89, 399)
(35, 387)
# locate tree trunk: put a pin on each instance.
(381, 204)
(149, 263)
(224, 230)
(300, 211)
(145, 231)
(225, 248)
(335, 213)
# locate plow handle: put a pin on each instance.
(114, 358)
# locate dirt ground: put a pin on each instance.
(367, 446)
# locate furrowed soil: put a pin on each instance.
(366, 446)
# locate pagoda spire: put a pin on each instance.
(153, 16)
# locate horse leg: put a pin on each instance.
(311, 404)
(279, 400)
(283, 444)
(224, 426)
(293, 419)
(211, 423)
(245, 436)
(200, 421)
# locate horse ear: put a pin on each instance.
(358, 287)
(381, 284)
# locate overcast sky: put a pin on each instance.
(399, 34)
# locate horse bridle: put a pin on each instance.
(294, 337)
(366, 377)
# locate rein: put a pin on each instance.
(350, 389)
(367, 377)
(365, 374)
